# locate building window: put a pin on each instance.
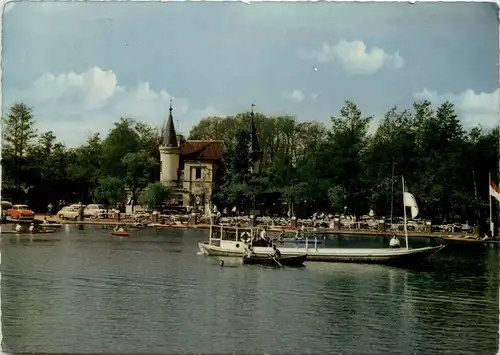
(197, 173)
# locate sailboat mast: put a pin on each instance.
(491, 208)
(404, 214)
(392, 194)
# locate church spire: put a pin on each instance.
(169, 136)
(255, 151)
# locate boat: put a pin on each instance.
(120, 233)
(46, 230)
(159, 225)
(390, 256)
(295, 260)
(50, 224)
(455, 239)
(234, 241)
(231, 241)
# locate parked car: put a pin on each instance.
(21, 212)
(69, 212)
(6, 206)
(94, 211)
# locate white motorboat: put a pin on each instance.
(231, 241)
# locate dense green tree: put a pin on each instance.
(138, 167)
(306, 166)
(18, 133)
(110, 191)
(155, 194)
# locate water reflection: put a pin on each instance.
(87, 291)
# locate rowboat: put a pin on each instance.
(297, 260)
(451, 239)
(50, 224)
(120, 234)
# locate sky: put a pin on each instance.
(82, 66)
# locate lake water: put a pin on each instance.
(86, 291)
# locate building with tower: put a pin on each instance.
(194, 167)
(191, 167)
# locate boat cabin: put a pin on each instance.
(236, 237)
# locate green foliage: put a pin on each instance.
(110, 191)
(155, 195)
(105, 171)
(306, 166)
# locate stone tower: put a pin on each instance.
(169, 153)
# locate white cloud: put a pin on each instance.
(209, 111)
(75, 104)
(474, 108)
(314, 96)
(295, 96)
(355, 58)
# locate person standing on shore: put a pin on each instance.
(49, 209)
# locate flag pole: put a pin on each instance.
(404, 213)
(491, 209)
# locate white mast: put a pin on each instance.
(404, 213)
(491, 209)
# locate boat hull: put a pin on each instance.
(388, 256)
(291, 261)
(51, 225)
(239, 250)
(393, 256)
(120, 234)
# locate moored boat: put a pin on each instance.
(50, 224)
(231, 241)
(120, 233)
(234, 241)
(455, 239)
(388, 256)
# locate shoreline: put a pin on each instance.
(453, 238)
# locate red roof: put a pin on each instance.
(202, 150)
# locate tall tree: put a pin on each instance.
(19, 131)
(138, 168)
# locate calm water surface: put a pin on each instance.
(87, 291)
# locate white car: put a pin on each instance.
(69, 212)
(94, 211)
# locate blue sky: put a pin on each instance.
(84, 65)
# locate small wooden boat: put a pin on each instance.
(159, 225)
(452, 239)
(120, 233)
(50, 224)
(295, 260)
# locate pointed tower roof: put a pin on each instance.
(169, 136)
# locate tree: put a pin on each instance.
(306, 165)
(110, 191)
(19, 130)
(155, 195)
(238, 164)
(348, 139)
(138, 167)
(121, 140)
